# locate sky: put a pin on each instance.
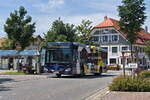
(44, 12)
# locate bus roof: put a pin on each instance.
(49, 44)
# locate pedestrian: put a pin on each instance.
(9, 66)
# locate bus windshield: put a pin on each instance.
(61, 55)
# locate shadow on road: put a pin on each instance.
(4, 80)
(4, 88)
(86, 76)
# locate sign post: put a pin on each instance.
(132, 66)
(123, 63)
(124, 59)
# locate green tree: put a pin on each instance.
(84, 32)
(70, 32)
(147, 49)
(53, 36)
(19, 28)
(7, 44)
(132, 17)
(60, 32)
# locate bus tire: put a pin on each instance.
(58, 75)
(96, 74)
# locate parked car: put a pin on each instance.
(113, 67)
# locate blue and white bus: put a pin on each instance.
(70, 58)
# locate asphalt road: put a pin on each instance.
(65, 88)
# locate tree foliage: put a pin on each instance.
(19, 28)
(7, 44)
(84, 32)
(132, 17)
(61, 32)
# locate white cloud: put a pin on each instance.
(104, 5)
(147, 23)
(43, 23)
(46, 7)
(96, 18)
(2, 22)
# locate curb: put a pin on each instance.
(98, 95)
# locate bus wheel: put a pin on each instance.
(82, 73)
(96, 74)
(58, 75)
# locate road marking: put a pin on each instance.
(98, 94)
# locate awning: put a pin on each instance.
(19, 53)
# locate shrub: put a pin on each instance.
(14, 73)
(114, 67)
(144, 74)
(130, 84)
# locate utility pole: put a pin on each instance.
(123, 63)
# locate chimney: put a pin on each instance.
(105, 18)
(146, 29)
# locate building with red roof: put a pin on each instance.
(109, 36)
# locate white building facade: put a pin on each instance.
(108, 35)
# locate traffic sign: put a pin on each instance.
(132, 65)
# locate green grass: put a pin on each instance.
(14, 73)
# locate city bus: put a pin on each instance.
(70, 58)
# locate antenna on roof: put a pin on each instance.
(105, 18)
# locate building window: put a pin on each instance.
(141, 50)
(114, 50)
(114, 38)
(100, 39)
(96, 32)
(125, 48)
(135, 48)
(113, 31)
(112, 61)
(105, 48)
(110, 38)
(105, 38)
(102, 31)
(121, 60)
(95, 38)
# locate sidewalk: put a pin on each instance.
(126, 96)
(105, 94)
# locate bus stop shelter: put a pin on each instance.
(14, 57)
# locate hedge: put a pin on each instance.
(127, 83)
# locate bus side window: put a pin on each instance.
(84, 56)
(75, 55)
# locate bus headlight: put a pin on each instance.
(52, 70)
(68, 69)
